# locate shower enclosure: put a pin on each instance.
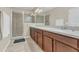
(17, 24)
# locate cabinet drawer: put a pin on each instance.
(39, 31)
(49, 34)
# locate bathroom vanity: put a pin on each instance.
(55, 40)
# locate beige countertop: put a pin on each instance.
(70, 33)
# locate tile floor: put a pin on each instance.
(28, 46)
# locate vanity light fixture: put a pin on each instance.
(40, 11)
(37, 11)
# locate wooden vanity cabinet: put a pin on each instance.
(54, 42)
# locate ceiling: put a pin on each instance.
(24, 8)
(46, 9)
(32, 9)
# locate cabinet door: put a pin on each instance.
(32, 34)
(60, 47)
(47, 44)
(36, 39)
(40, 39)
